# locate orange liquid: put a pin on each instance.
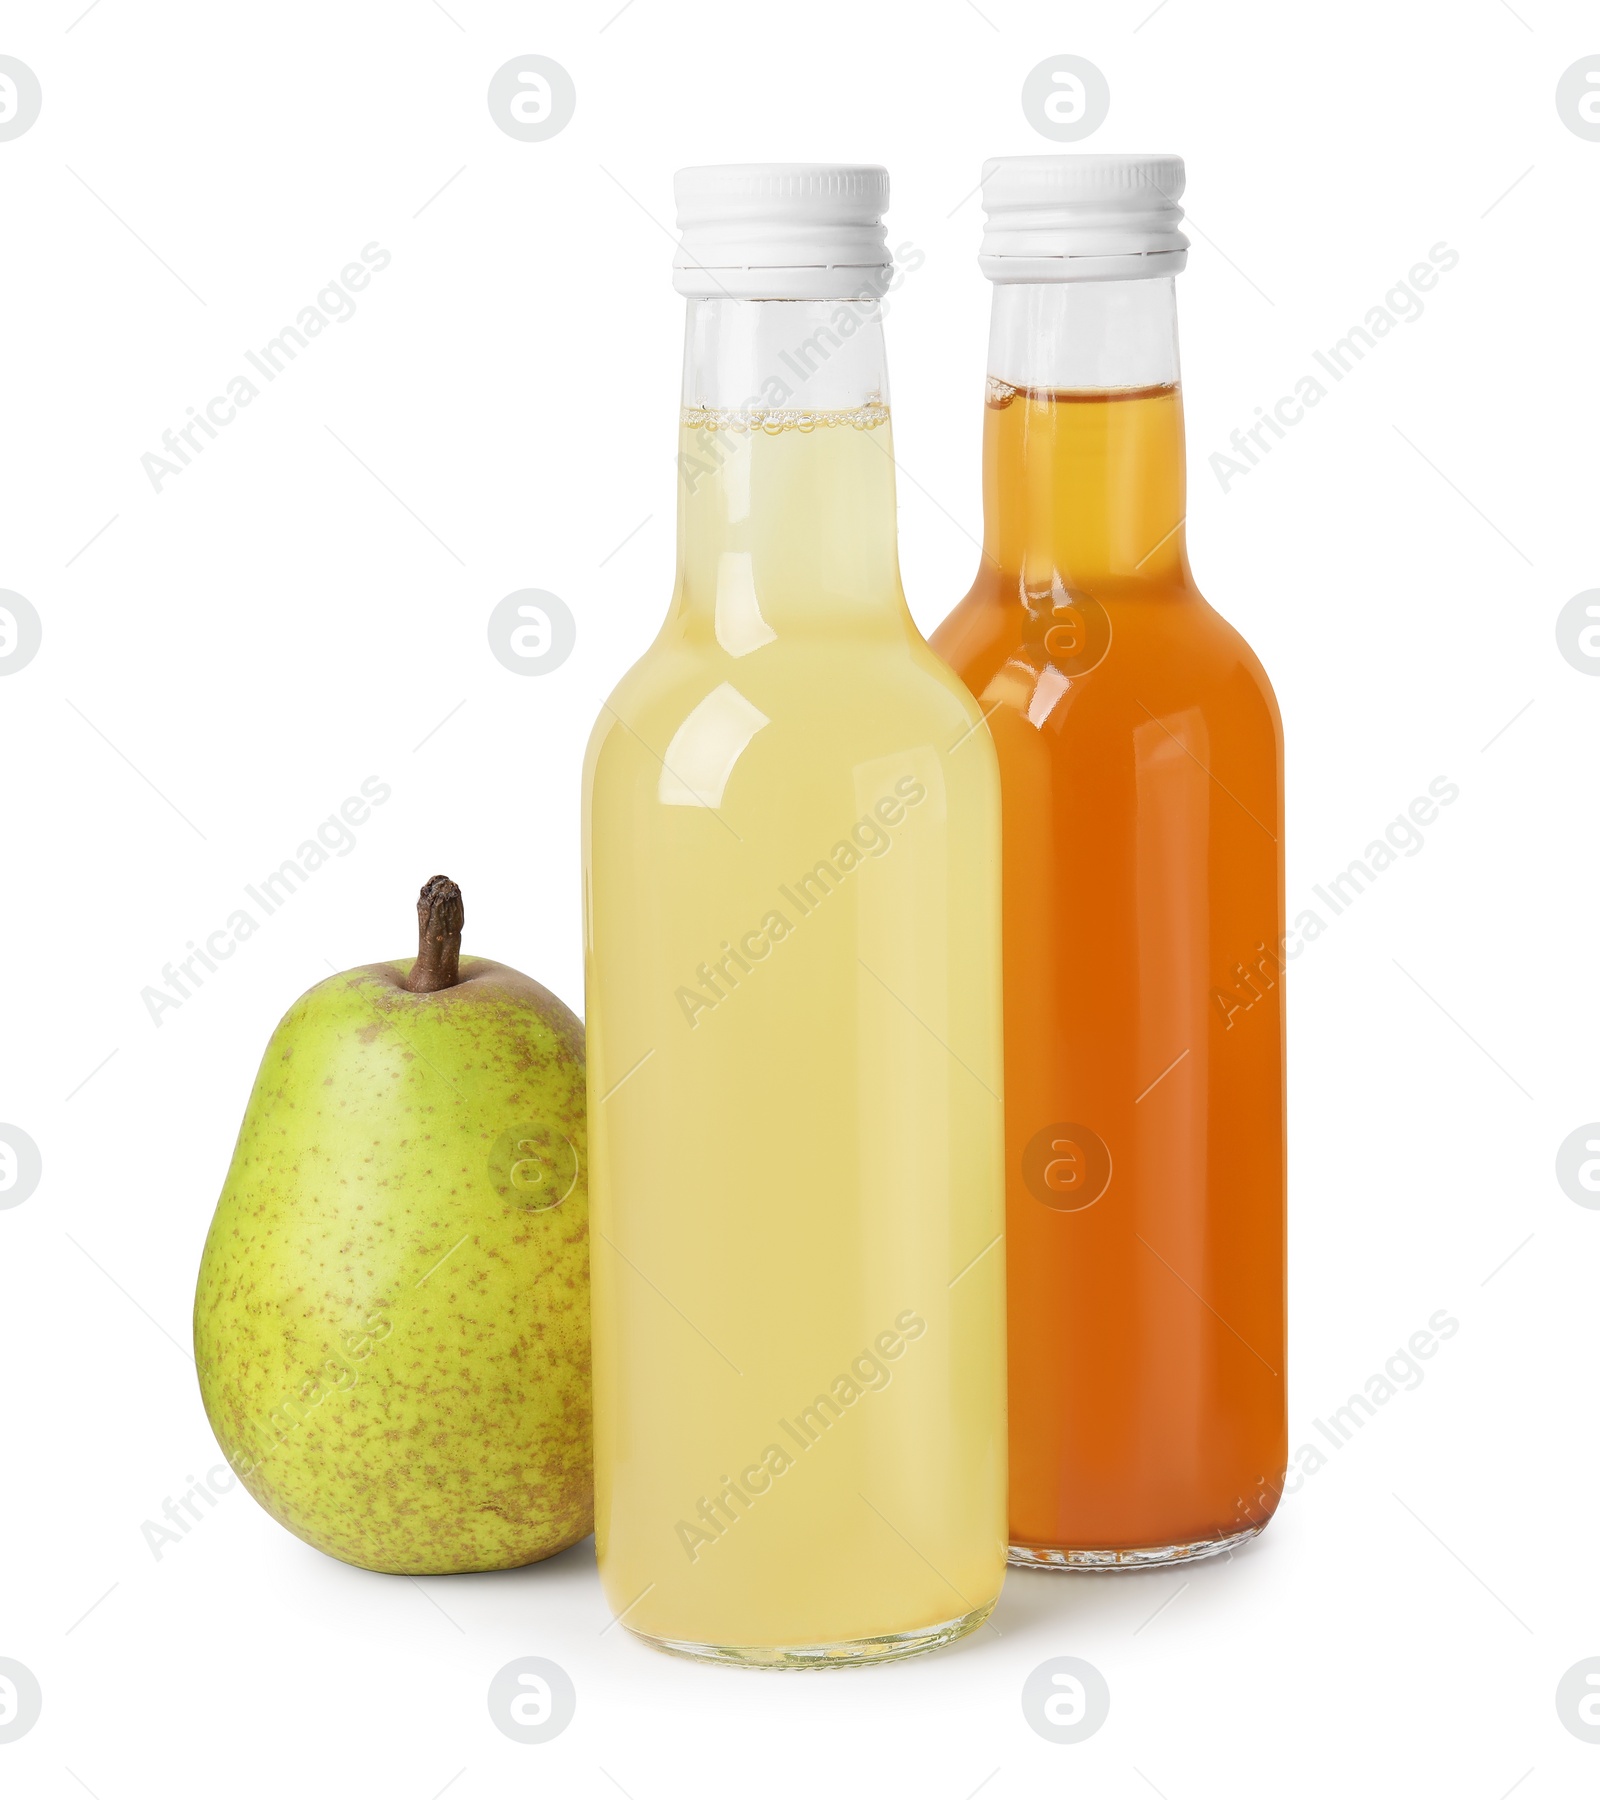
(1141, 763)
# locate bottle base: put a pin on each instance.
(852, 1653)
(1033, 1556)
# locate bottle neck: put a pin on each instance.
(1083, 460)
(786, 499)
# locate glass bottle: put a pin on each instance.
(792, 927)
(1141, 777)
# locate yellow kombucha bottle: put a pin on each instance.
(791, 818)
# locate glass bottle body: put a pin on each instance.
(1141, 775)
(792, 951)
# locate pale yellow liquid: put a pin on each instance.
(810, 1171)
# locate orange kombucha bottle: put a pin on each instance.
(1141, 762)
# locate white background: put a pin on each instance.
(228, 659)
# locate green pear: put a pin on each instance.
(392, 1319)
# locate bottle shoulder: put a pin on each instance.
(793, 714)
(824, 680)
(1165, 648)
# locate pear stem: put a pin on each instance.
(440, 916)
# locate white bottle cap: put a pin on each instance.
(1082, 218)
(782, 231)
